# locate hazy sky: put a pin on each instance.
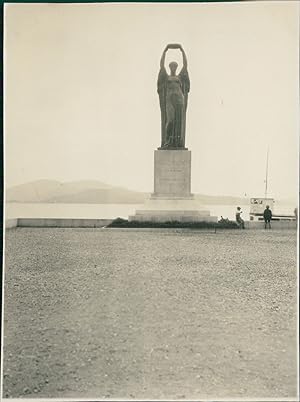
(81, 100)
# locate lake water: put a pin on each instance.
(110, 211)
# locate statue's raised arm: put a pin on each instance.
(184, 76)
(163, 57)
(184, 59)
(173, 46)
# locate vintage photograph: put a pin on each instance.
(151, 155)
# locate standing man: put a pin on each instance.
(267, 217)
(238, 218)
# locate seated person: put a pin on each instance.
(238, 218)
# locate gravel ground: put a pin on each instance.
(152, 314)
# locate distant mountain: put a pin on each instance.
(85, 191)
(36, 191)
(94, 192)
(100, 196)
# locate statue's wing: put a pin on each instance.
(162, 78)
(185, 80)
(185, 83)
(161, 89)
(185, 86)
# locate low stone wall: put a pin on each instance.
(11, 223)
(99, 223)
(274, 225)
(63, 223)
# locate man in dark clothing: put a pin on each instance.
(267, 217)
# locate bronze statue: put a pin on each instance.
(173, 96)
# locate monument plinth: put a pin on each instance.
(172, 173)
(172, 199)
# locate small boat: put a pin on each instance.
(258, 205)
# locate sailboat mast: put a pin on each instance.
(266, 181)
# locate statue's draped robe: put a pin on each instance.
(173, 96)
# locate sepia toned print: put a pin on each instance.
(151, 201)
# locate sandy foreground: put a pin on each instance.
(150, 314)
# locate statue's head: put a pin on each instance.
(173, 66)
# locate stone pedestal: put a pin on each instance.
(172, 174)
(172, 199)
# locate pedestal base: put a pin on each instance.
(168, 210)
